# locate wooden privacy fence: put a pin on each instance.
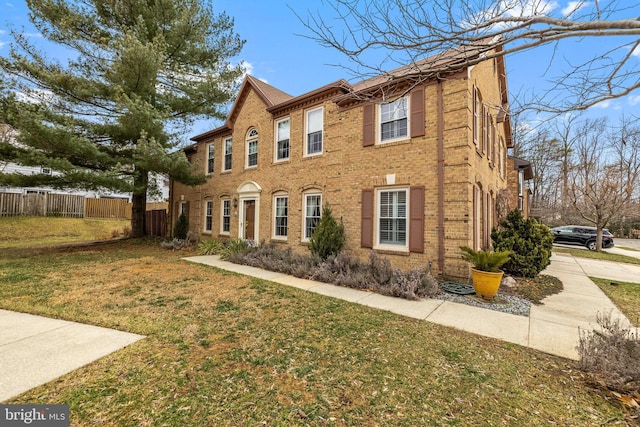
(156, 222)
(105, 208)
(68, 205)
(34, 204)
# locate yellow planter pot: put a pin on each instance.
(486, 284)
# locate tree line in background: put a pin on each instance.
(585, 171)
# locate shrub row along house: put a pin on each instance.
(413, 175)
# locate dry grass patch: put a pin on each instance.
(224, 349)
(25, 231)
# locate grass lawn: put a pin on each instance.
(604, 256)
(28, 231)
(624, 295)
(228, 350)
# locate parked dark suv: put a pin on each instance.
(581, 235)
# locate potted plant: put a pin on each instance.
(485, 274)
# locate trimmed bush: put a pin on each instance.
(181, 228)
(529, 242)
(328, 237)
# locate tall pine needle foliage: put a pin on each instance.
(113, 108)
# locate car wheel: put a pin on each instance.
(591, 245)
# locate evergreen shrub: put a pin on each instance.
(328, 237)
(529, 242)
(181, 228)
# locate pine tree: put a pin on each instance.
(139, 73)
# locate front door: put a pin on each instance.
(249, 219)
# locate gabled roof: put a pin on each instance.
(269, 94)
(431, 66)
(344, 94)
(274, 100)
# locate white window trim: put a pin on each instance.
(224, 154)
(208, 215)
(306, 132)
(386, 246)
(248, 141)
(211, 155)
(379, 123)
(275, 147)
(304, 211)
(275, 225)
(222, 230)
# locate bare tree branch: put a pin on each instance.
(378, 35)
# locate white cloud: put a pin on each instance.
(248, 67)
(634, 100)
(604, 104)
(636, 52)
(7, 4)
(574, 6)
(249, 70)
(528, 8)
(511, 9)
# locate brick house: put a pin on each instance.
(413, 175)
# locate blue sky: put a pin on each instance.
(276, 54)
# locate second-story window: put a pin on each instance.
(210, 158)
(228, 145)
(282, 139)
(315, 121)
(252, 148)
(394, 120)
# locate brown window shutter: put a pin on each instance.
(417, 113)
(368, 128)
(416, 219)
(366, 231)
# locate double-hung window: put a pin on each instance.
(282, 139)
(392, 217)
(312, 213)
(252, 148)
(226, 216)
(281, 216)
(228, 145)
(210, 158)
(315, 120)
(394, 120)
(208, 216)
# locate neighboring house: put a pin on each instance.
(520, 171)
(412, 177)
(7, 167)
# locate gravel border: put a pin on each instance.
(504, 303)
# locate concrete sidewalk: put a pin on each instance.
(35, 350)
(552, 327)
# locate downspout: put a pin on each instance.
(440, 169)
